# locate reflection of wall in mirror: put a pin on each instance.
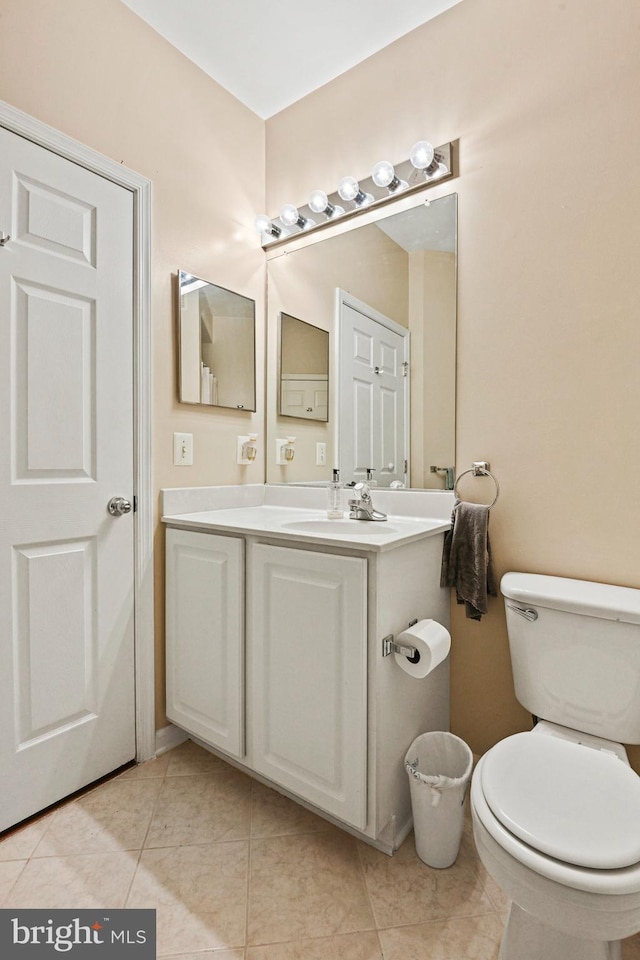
(304, 284)
(432, 281)
(227, 344)
(303, 348)
(190, 347)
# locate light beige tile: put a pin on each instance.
(114, 816)
(199, 892)
(472, 938)
(202, 809)
(306, 886)
(21, 843)
(211, 955)
(498, 897)
(403, 889)
(99, 880)
(150, 768)
(351, 946)
(189, 759)
(10, 870)
(274, 815)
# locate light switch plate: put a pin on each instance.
(183, 449)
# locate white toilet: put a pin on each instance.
(556, 811)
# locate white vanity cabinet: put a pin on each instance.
(205, 637)
(275, 659)
(307, 675)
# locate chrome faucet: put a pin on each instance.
(361, 508)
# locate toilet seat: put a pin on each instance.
(624, 880)
(571, 802)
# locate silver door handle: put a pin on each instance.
(118, 506)
(4, 238)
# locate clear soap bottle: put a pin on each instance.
(334, 509)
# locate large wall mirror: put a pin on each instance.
(216, 334)
(385, 293)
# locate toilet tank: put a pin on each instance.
(575, 652)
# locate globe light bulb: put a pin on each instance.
(263, 224)
(349, 188)
(318, 201)
(421, 155)
(383, 174)
(289, 215)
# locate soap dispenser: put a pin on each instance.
(334, 509)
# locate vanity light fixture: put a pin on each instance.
(425, 166)
(384, 175)
(349, 189)
(319, 202)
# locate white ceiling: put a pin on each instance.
(270, 53)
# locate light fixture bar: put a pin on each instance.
(406, 172)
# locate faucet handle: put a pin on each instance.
(363, 490)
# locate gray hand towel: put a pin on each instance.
(466, 558)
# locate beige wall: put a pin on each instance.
(98, 73)
(545, 98)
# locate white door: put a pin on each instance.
(307, 676)
(205, 637)
(66, 414)
(373, 394)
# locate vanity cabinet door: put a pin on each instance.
(205, 637)
(306, 665)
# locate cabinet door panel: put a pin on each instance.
(205, 637)
(307, 664)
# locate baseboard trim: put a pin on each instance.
(169, 737)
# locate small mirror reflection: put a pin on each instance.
(304, 370)
(217, 345)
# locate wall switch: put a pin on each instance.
(183, 449)
(321, 454)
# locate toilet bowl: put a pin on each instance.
(556, 811)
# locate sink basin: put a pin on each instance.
(372, 528)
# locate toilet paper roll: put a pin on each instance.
(432, 642)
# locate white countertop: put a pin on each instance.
(310, 526)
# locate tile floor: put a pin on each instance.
(238, 872)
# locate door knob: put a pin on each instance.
(118, 506)
(4, 238)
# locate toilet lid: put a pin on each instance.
(578, 804)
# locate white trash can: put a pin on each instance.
(439, 766)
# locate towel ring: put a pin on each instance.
(477, 472)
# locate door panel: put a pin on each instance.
(205, 637)
(67, 712)
(373, 396)
(306, 662)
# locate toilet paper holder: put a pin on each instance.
(389, 645)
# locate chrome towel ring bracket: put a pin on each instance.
(478, 469)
